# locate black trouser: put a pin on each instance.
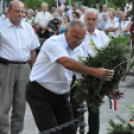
(49, 110)
(93, 117)
(46, 34)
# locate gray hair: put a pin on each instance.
(71, 24)
(30, 10)
(44, 3)
(91, 11)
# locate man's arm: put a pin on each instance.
(33, 57)
(75, 66)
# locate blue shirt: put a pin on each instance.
(103, 24)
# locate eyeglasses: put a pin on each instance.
(76, 38)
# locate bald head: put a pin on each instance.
(14, 3)
(16, 12)
(104, 16)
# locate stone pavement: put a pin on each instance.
(105, 113)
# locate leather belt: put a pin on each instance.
(5, 61)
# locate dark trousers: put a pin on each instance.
(45, 35)
(93, 117)
(49, 110)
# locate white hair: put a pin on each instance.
(91, 11)
(30, 10)
(44, 3)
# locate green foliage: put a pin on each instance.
(91, 89)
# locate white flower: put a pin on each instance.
(108, 42)
(92, 51)
(131, 123)
(118, 122)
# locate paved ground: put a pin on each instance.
(106, 113)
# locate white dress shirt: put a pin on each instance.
(99, 38)
(124, 25)
(43, 18)
(47, 71)
(113, 24)
(17, 42)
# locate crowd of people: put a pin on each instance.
(44, 81)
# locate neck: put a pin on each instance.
(15, 23)
(91, 31)
(29, 17)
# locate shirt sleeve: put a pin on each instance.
(35, 41)
(54, 50)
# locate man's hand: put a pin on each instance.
(115, 94)
(104, 74)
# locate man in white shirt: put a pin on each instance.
(61, 13)
(42, 20)
(99, 38)
(17, 48)
(70, 11)
(104, 10)
(51, 76)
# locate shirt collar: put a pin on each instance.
(94, 33)
(9, 23)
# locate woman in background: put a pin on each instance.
(65, 22)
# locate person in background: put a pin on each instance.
(80, 14)
(53, 9)
(83, 9)
(104, 21)
(104, 10)
(17, 56)
(29, 19)
(112, 25)
(118, 9)
(64, 24)
(54, 24)
(42, 19)
(76, 15)
(125, 26)
(70, 11)
(36, 11)
(61, 13)
(99, 38)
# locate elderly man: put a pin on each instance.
(41, 20)
(17, 49)
(104, 21)
(70, 12)
(48, 89)
(61, 13)
(99, 38)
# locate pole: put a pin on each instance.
(133, 11)
(79, 4)
(57, 5)
(69, 3)
(1, 6)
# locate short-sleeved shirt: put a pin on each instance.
(47, 71)
(43, 18)
(16, 43)
(113, 24)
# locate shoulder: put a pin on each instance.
(54, 42)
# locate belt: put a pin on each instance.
(5, 61)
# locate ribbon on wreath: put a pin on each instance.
(112, 104)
